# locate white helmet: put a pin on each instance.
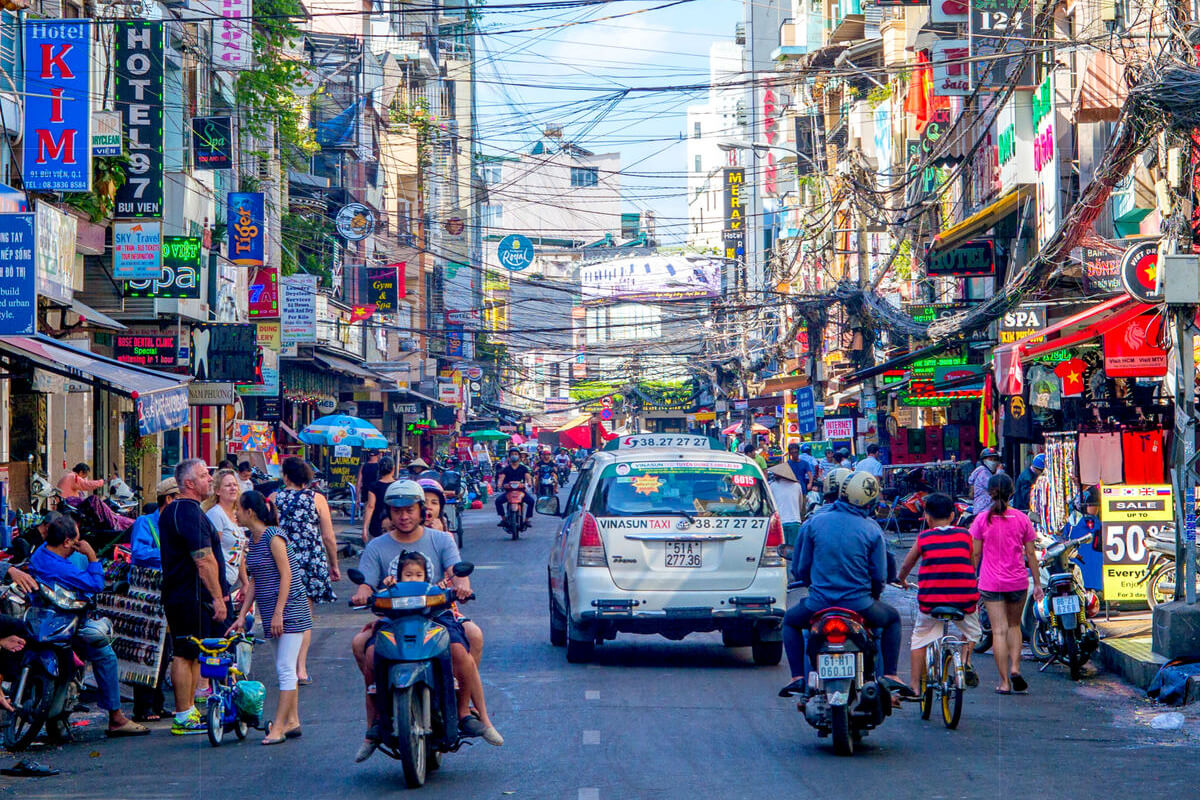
(859, 489)
(833, 480)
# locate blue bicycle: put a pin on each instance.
(236, 703)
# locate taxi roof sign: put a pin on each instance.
(674, 441)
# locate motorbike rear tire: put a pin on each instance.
(1037, 644)
(35, 699)
(216, 726)
(1164, 574)
(1073, 656)
(409, 716)
(840, 732)
(952, 693)
(985, 640)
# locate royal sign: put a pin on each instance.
(58, 110)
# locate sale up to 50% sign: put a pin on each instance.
(1129, 514)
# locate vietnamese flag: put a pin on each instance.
(358, 313)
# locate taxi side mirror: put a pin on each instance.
(547, 505)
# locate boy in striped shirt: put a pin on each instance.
(946, 578)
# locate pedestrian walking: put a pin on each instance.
(272, 570)
(221, 510)
(368, 473)
(1001, 549)
(871, 463)
(194, 586)
(305, 520)
(1026, 480)
(789, 500)
(375, 511)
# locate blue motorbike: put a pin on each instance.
(414, 682)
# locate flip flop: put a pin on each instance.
(130, 728)
(1018, 684)
(1004, 691)
(294, 733)
(28, 769)
(268, 741)
(304, 681)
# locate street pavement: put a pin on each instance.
(649, 720)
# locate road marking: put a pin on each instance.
(591, 694)
(591, 737)
(589, 794)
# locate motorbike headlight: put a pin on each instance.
(63, 598)
(399, 603)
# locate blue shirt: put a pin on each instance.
(143, 542)
(52, 569)
(802, 471)
(841, 555)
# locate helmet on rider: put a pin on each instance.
(860, 489)
(402, 494)
(806, 448)
(990, 458)
(833, 481)
(430, 485)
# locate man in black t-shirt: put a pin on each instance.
(194, 590)
(513, 471)
(368, 473)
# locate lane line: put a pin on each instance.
(591, 694)
(589, 794)
(591, 737)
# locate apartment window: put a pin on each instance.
(585, 176)
(493, 215)
(698, 167)
(695, 130)
(491, 174)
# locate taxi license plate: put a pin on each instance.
(684, 554)
(836, 665)
(1067, 604)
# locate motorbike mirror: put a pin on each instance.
(463, 568)
(356, 577)
(547, 505)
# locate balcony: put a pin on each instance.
(792, 43)
(417, 51)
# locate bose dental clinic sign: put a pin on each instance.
(57, 152)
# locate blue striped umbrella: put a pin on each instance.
(343, 429)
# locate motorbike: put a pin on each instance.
(414, 682)
(564, 474)
(43, 495)
(1058, 628)
(844, 698)
(903, 509)
(452, 486)
(122, 498)
(545, 483)
(514, 510)
(50, 678)
(1159, 576)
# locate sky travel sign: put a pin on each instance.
(58, 110)
(139, 98)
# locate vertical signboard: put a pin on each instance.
(806, 410)
(106, 134)
(1000, 32)
(734, 233)
(1045, 159)
(137, 250)
(180, 276)
(1128, 515)
(233, 46)
(138, 53)
(381, 290)
(57, 152)
(55, 250)
(212, 143)
(264, 293)
(246, 228)
(950, 59)
(18, 276)
(298, 309)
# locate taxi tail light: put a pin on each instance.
(770, 552)
(591, 546)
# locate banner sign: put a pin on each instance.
(211, 394)
(268, 368)
(264, 293)
(951, 67)
(106, 134)
(224, 351)
(212, 143)
(57, 152)
(382, 287)
(268, 336)
(1101, 268)
(180, 277)
(55, 248)
(342, 470)
(1023, 321)
(970, 259)
(161, 411)
(18, 292)
(298, 309)
(1132, 350)
(146, 348)
(1128, 515)
(839, 429)
(1000, 32)
(233, 45)
(139, 97)
(806, 410)
(246, 227)
(137, 250)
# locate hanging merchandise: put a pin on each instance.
(1044, 388)
(1052, 494)
(1100, 458)
(1143, 453)
(1071, 373)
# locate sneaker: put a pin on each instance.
(193, 724)
(369, 746)
(971, 677)
(470, 726)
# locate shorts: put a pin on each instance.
(928, 630)
(187, 619)
(1014, 596)
(454, 627)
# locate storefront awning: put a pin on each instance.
(94, 317)
(344, 366)
(899, 362)
(161, 399)
(424, 397)
(981, 221)
(579, 421)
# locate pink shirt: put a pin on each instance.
(1002, 568)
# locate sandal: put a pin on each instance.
(1018, 683)
(130, 728)
(902, 689)
(268, 741)
(28, 769)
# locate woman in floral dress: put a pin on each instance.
(304, 518)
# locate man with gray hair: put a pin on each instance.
(194, 593)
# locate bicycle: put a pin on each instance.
(945, 678)
(235, 702)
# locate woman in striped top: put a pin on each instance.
(273, 581)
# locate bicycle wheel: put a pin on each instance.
(216, 726)
(927, 684)
(952, 692)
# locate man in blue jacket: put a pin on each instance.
(843, 560)
(144, 544)
(51, 564)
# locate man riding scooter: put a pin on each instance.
(547, 473)
(511, 476)
(843, 560)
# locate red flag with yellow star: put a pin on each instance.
(358, 313)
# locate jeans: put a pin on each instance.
(104, 667)
(877, 615)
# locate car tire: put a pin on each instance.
(581, 647)
(558, 623)
(766, 654)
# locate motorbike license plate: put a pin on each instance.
(836, 665)
(684, 554)
(1067, 604)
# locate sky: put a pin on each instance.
(573, 76)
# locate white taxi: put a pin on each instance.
(667, 534)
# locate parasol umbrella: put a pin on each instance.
(491, 434)
(518, 439)
(343, 429)
(737, 428)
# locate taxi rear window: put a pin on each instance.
(689, 488)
